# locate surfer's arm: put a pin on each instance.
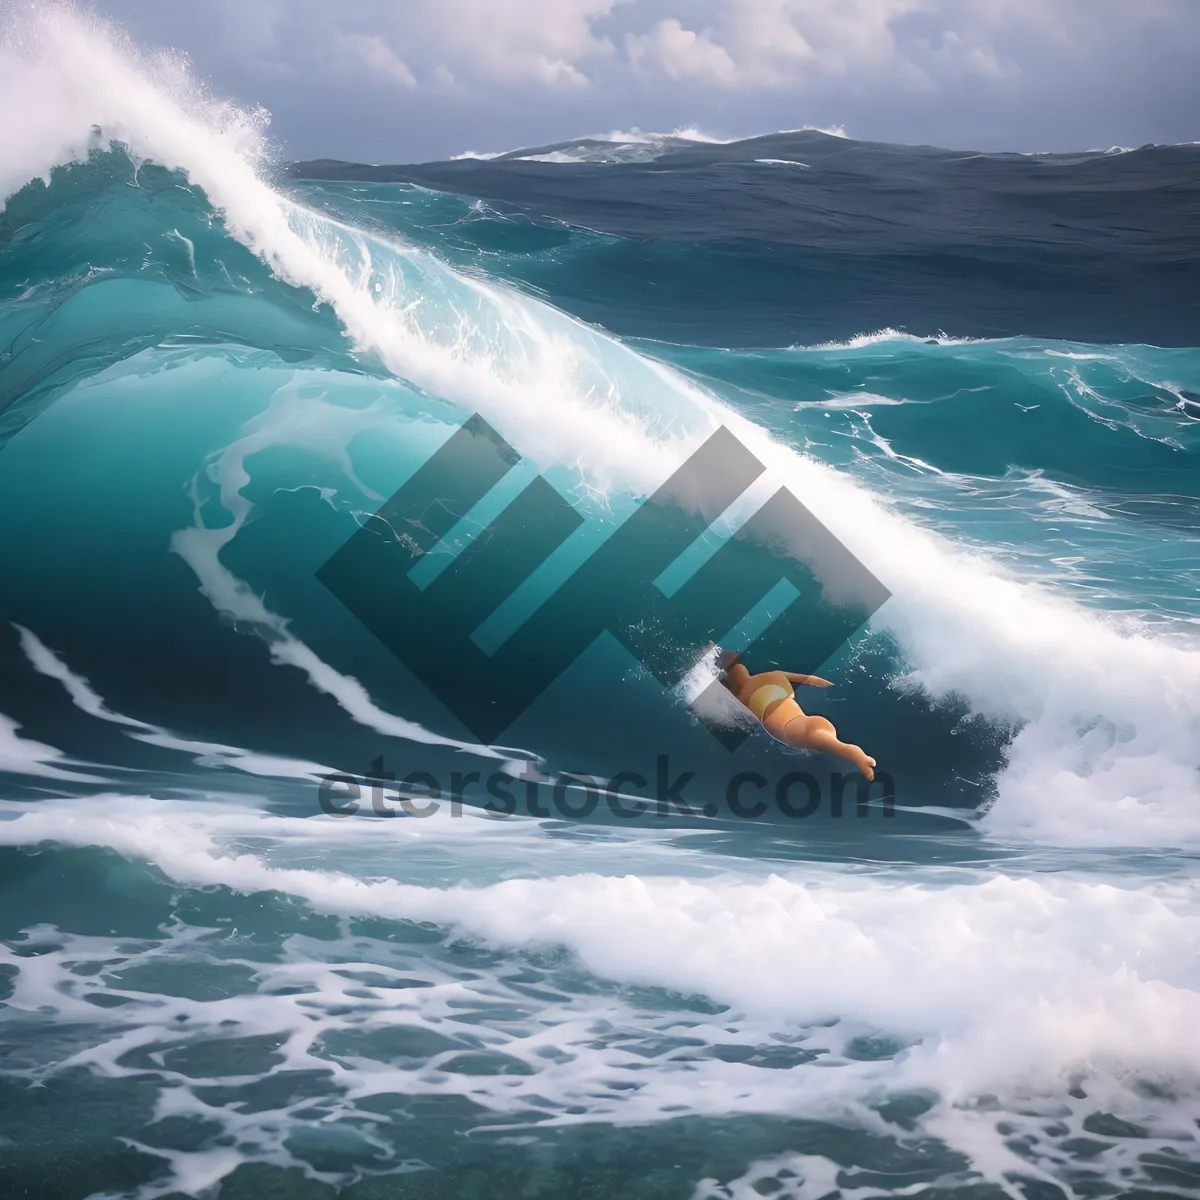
(810, 680)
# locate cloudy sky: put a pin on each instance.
(408, 80)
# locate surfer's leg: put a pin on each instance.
(789, 724)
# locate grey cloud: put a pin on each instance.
(395, 80)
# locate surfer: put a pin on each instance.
(771, 698)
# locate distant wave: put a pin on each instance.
(631, 145)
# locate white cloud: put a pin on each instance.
(376, 53)
(965, 72)
(681, 53)
(550, 43)
(740, 45)
(736, 45)
(761, 45)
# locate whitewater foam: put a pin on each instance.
(862, 341)
(683, 133)
(1027, 987)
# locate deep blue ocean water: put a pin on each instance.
(980, 372)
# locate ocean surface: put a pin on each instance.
(224, 975)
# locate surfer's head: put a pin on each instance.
(727, 659)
